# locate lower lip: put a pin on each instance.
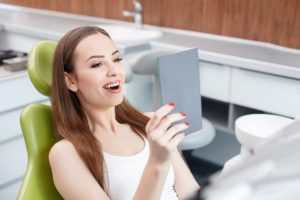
(115, 91)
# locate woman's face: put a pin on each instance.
(98, 77)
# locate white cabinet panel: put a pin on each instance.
(16, 92)
(215, 81)
(10, 124)
(266, 92)
(10, 192)
(13, 160)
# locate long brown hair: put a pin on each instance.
(70, 121)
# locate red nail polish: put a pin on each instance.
(172, 104)
(186, 123)
(183, 114)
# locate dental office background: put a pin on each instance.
(249, 58)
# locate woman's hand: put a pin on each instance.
(164, 138)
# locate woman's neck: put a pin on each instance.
(102, 120)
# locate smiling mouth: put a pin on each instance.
(112, 86)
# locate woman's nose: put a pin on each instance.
(112, 70)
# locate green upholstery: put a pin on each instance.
(36, 124)
(40, 66)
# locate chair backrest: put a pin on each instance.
(38, 132)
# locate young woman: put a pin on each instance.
(107, 149)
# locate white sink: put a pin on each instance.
(128, 34)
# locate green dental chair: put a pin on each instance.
(36, 124)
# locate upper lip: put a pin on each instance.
(115, 81)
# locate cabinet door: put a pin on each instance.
(266, 92)
(13, 160)
(10, 124)
(11, 191)
(215, 81)
(17, 92)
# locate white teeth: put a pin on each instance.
(112, 85)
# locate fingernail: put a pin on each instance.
(183, 114)
(172, 104)
(186, 123)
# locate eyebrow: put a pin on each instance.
(101, 56)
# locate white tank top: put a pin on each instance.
(124, 174)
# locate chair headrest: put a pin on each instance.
(40, 65)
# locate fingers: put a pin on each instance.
(160, 131)
(158, 115)
(175, 141)
(176, 129)
(166, 122)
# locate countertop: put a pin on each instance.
(240, 53)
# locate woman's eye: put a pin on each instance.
(118, 59)
(96, 65)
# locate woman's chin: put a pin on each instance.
(118, 101)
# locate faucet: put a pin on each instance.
(137, 13)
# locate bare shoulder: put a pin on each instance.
(63, 145)
(67, 168)
(149, 114)
(62, 149)
(63, 155)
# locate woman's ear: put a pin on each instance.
(71, 82)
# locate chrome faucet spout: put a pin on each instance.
(137, 14)
(137, 6)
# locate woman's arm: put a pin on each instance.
(185, 183)
(163, 140)
(152, 181)
(71, 177)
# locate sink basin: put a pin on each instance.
(128, 34)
